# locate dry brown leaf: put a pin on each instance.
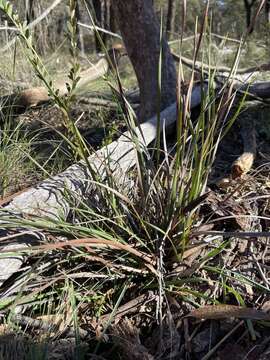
(228, 311)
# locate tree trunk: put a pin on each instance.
(248, 8)
(113, 25)
(267, 11)
(170, 25)
(29, 11)
(102, 14)
(141, 34)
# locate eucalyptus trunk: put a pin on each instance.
(141, 34)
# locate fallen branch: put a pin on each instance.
(226, 38)
(49, 326)
(130, 307)
(48, 198)
(261, 89)
(191, 37)
(198, 65)
(37, 95)
(97, 28)
(4, 28)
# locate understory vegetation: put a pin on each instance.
(147, 262)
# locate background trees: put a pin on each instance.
(171, 15)
(231, 16)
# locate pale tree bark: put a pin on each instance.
(141, 34)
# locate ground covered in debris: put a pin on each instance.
(217, 267)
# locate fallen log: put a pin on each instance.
(242, 77)
(38, 95)
(48, 199)
(260, 89)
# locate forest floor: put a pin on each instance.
(53, 309)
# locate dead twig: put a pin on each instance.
(198, 66)
(191, 37)
(89, 242)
